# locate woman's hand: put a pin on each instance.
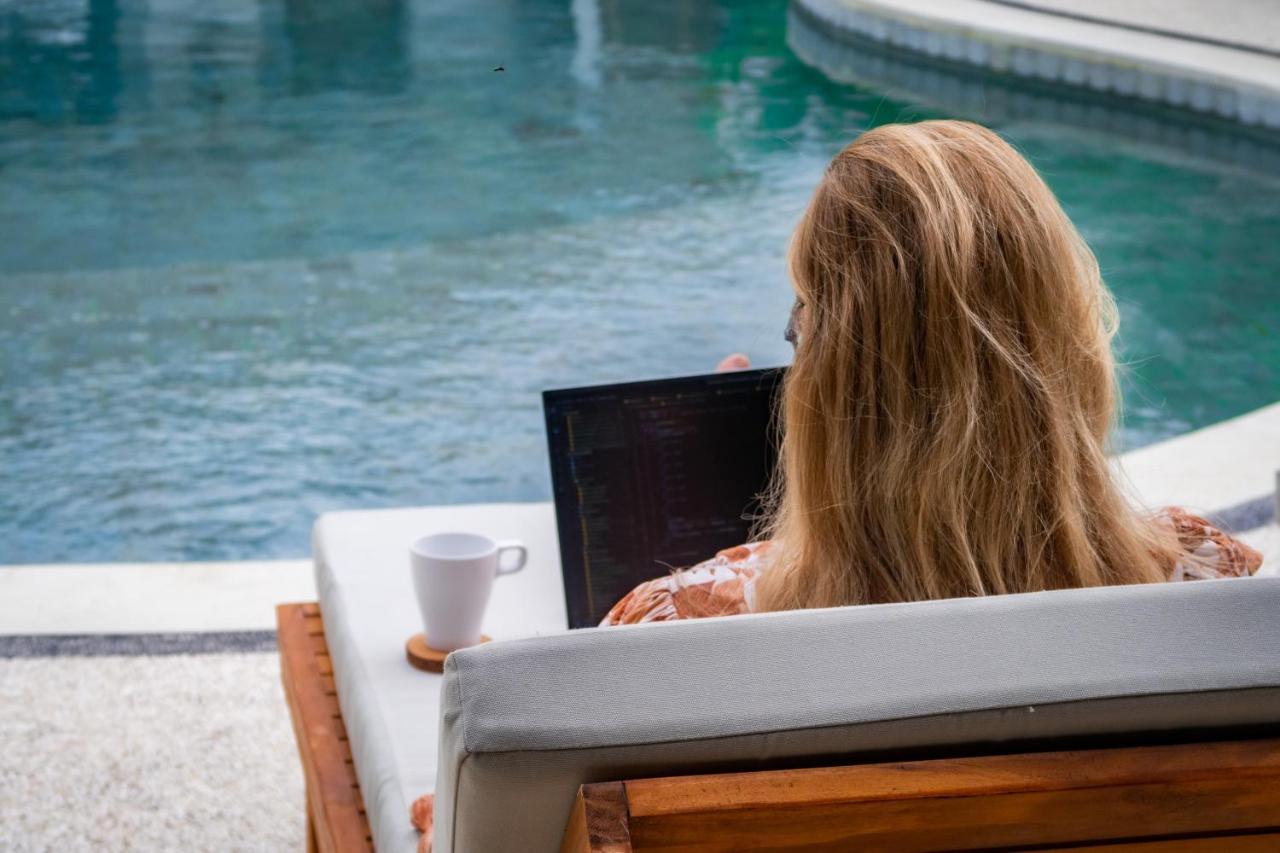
(730, 363)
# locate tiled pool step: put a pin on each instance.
(1236, 84)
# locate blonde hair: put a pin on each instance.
(945, 418)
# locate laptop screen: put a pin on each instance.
(653, 476)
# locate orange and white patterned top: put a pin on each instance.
(725, 584)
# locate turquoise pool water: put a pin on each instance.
(266, 259)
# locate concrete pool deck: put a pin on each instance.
(1217, 61)
(1227, 470)
(131, 598)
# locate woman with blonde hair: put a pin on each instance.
(945, 419)
(946, 415)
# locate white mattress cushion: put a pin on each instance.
(391, 710)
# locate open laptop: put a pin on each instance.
(651, 476)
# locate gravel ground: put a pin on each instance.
(175, 752)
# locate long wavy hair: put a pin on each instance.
(946, 416)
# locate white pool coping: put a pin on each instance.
(1211, 469)
(1218, 467)
(127, 598)
(1231, 83)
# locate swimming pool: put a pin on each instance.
(263, 260)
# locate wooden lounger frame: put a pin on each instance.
(1222, 796)
(1186, 798)
(336, 819)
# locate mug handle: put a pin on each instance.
(512, 545)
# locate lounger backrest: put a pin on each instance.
(524, 723)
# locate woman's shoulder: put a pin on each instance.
(1209, 552)
(721, 586)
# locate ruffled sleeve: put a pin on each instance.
(721, 586)
(1210, 553)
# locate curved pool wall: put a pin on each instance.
(976, 92)
(1238, 84)
(268, 260)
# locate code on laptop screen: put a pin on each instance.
(653, 476)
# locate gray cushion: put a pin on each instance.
(524, 722)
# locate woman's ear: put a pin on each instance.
(792, 333)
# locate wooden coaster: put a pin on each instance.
(426, 658)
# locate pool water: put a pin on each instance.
(261, 260)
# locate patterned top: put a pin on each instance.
(725, 584)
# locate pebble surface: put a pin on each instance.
(175, 752)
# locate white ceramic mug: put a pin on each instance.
(452, 575)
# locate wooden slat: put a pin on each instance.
(981, 775)
(1122, 799)
(312, 845)
(961, 823)
(337, 822)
